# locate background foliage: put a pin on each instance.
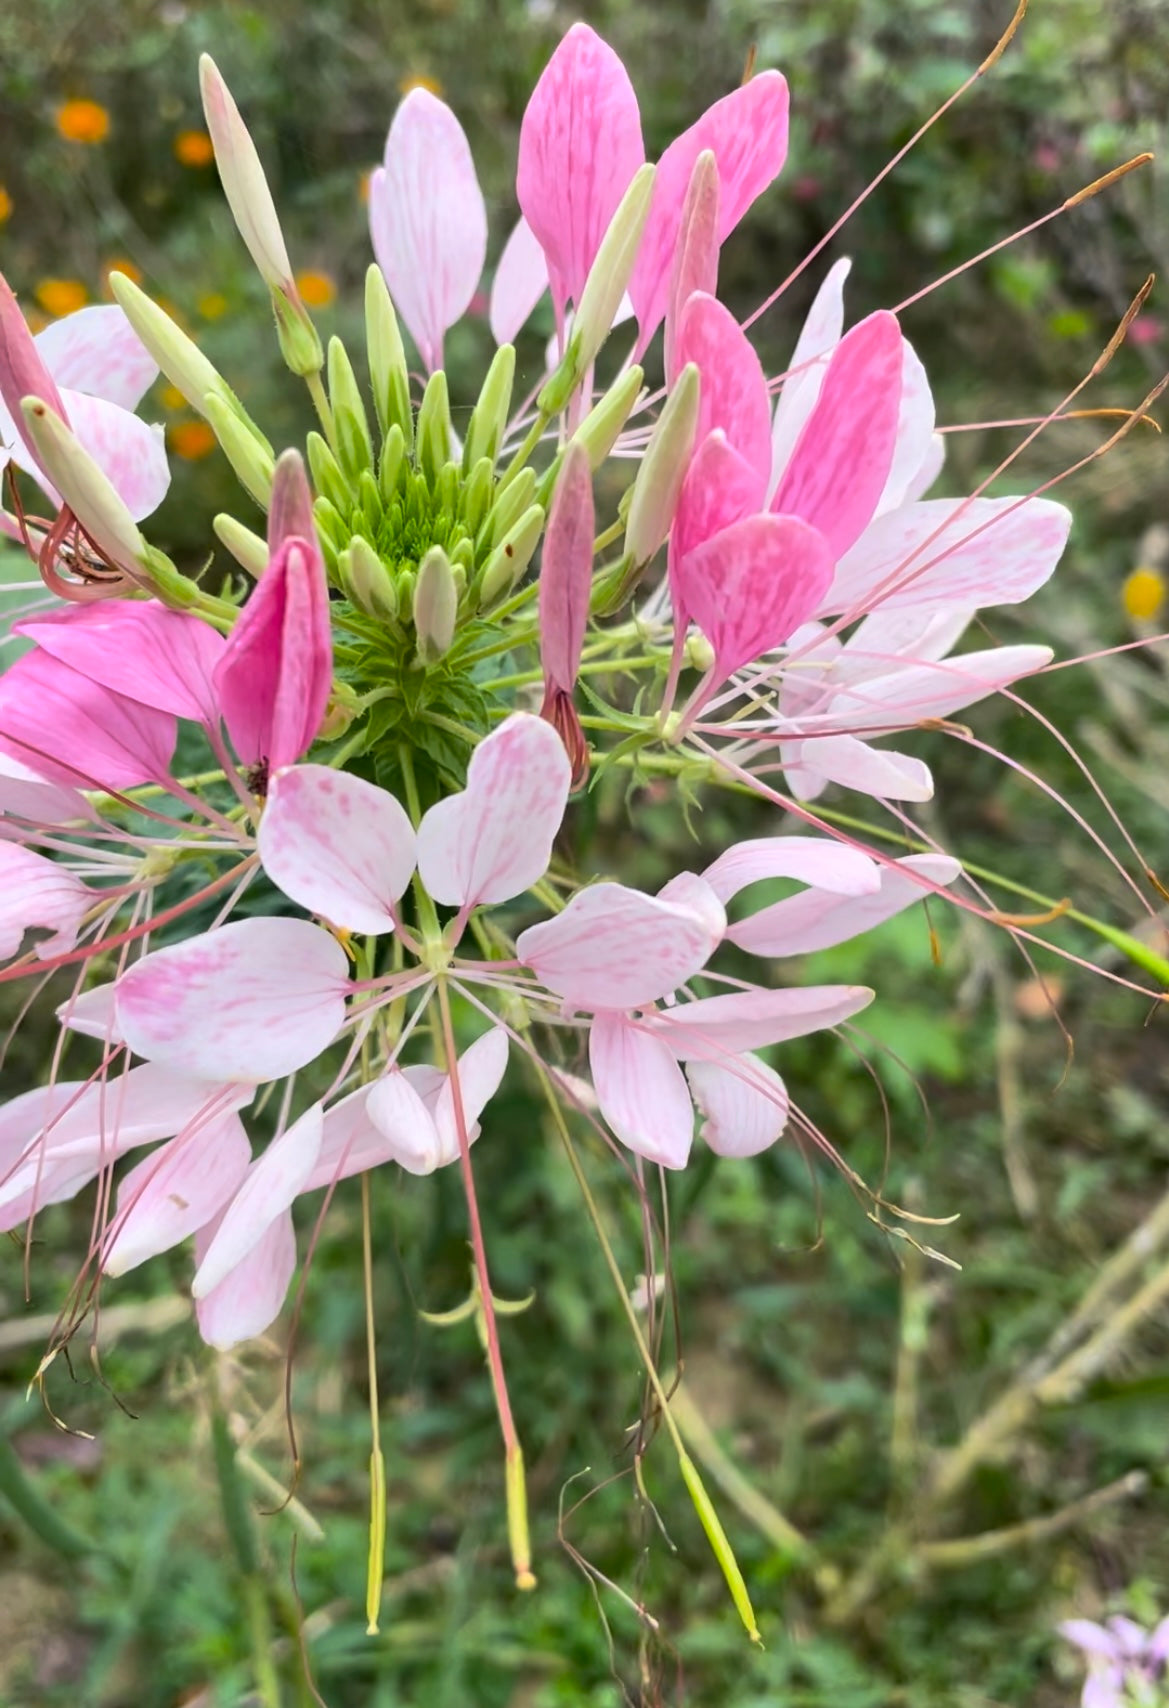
(806, 1332)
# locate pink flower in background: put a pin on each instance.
(1126, 1663)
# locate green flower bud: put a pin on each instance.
(179, 357)
(85, 488)
(327, 476)
(597, 433)
(351, 428)
(366, 579)
(251, 463)
(663, 469)
(475, 497)
(248, 549)
(331, 526)
(489, 416)
(510, 558)
(391, 462)
(370, 498)
(510, 505)
(388, 373)
(300, 344)
(434, 427)
(435, 605)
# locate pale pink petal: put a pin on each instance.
(715, 1026)
(733, 392)
(36, 892)
(1087, 1635)
(614, 947)
(138, 648)
(338, 845)
(1157, 1649)
(960, 553)
(481, 1069)
(1130, 1636)
(853, 764)
(815, 860)
(248, 1299)
(747, 133)
(428, 221)
(752, 585)
(25, 1118)
(129, 452)
(411, 1136)
(816, 920)
(692, 892)
(818, 338)
(915, 430)
(918, 691)
(566, 571)
(254, 1000)
(176, 1191)
(93, 1013)
(641, 1090)
(888, 642)
(494, 840)
(743, 1103)
(720, 488)
(695, 265)
(350, 1143)
(580, 145)
(97, 351)
(840, 464)
(25, 794)
(272, 1182)
(931, 467)
(71, 730)
(521, 278)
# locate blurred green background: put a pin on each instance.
(831, 1362)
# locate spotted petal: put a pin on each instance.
(176, 1191)
(338, 845)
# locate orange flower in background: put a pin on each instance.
(172, 397)
(419, 80)
(191, 440)
(61, 296)
(5, 204)
(119, 264)
(363, 186)
(213, 305)
(83, 121)
(317, 290)
(193, 148)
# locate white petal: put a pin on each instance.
(176, 1191)
(641, 1090)
(338, 845)
(272, 1182)
(743, 1103)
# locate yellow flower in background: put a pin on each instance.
(213, 305)
(419, 80)
(1144, 594)
(191, 440)
(61, 296)
(83, 121)
(5, 204)
(317, 290)
(193, 148)
(172, 397)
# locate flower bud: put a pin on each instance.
(511, 557)
(84, 488)
(350, 425)
(248, 549)
(489, 416)
(663, 469)
(605, 286)
(366, 579)
(251, 463)
(391, 463)
(511, 504)
(327, 476)
(696, 254)
(388, 373)
(598, 432)
(22, 372)
(436, 605)
(434, 427)
(475, 495)
(290, 512)
(179, 357)
(566, 571)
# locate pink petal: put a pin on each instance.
(751, 586)
(818, 337)
(747, 133)
(273, 1181)
(248, 1299)
(36, 892)
(915, 430)
(952, 552)
(481, 1069)
(691, 892)
(97, 351)
(428, 221)
(250, 1001)
(138, 648)
(409, 1131)
(715, 1026)
(888, 642)
(521, 278)
(1087, 1635)
(817, 920)
(720, 488)
(176, 1191)
(566, 571)
(917, 691)
(25, 794)
(72, 731)
(876, 771)
(22, 374)
(93, 1014)
(494, 840)
(580, 145)
(815, 860)
(614, 947)
(733, 394)
(129, 452)
(841, 461)
(641, 1090)
(338, 845)
(695, 265)
(350, 1143)
(743, 1103)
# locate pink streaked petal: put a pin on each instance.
(338, 845)
(350, 1143)
(720, 489)
(580, 145)
(129, 452)
(566, 571)
(93, 1013)
(818, 337)
(816, 920)
(747, 133)
(695, 265)
(743, 1103)
(248, 1299)
(25, 794)
(411, 1136)
(428, 221)
(481, 1069)
(23, 373)
(888, 642)
(25, 1118)
(71, 730)
(935, 689)
(138, 648)
(715, 1026)
(614, 947)
(273, 1181)
(97, 351)
(752, 585)
(36, 892)
(841, 461)
(494, 840)
(521, 278)
(689, 891)
(250, 1001)
(733, 395)
(176, 1191)
(641, 1090)
(980, 551)
(877, 771)
(915, 430)
(814, 860)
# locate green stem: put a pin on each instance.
(535, 434)
(237, 1521)
(28, 1502)
(427, 915)
(321, 405)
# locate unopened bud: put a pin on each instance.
(663, 469)
(436, 605)
(251, 463)
(434, 427)
(699, 653)
(391, 463)
(597, 433)
(489, 416)
(511, 557)
(300, 343)
(696, 255)
(475, 495)
(179, 357)
(366, 579)
(242, 176)
(327, 476)
(351, 427)
(84, 488)
(248, 549)
(511, 505)
(388, 373)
